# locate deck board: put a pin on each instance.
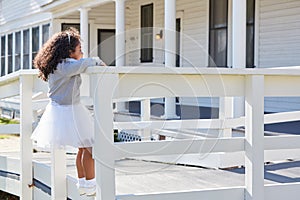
(139, 177)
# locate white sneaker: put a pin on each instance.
(81, 189)
(81, 185)
(90, 190)
(90, 187)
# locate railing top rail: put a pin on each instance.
(285, 71)
(15, 75)
(288, 71)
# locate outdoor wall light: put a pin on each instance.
(159, 35)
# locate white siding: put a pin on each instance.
(194, 31)
(14, 9)
(105, 14)
(194, 41)
(279, 36)
(279, 43)
(19, 14)
(1, 13)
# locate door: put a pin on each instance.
(178, 34)
(106, 46)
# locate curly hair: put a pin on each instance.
(55, 50)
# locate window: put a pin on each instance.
(218, 33)
(26, 49)
(250, 33)
(65, 26)
(17, 51)
(35, 41)
(46, 32)
(147, 33)
(2, 55)
(10, 53)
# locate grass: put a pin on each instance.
(4, 137)
(4, 121)
(8, 121)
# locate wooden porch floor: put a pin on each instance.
(140, 177)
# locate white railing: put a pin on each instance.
(108, 85)
(124, 84)
(23, 83)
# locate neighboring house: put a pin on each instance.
(206, 34)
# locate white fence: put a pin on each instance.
(108, 85)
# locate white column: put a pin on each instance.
(170, 51)
(239, 10)
(26, 84)
(93, 38)
(84, 34)
(120, 33)
(254, 135)
(84, 30)
(120, 41)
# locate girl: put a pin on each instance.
(66, 122)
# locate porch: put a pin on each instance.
(109, 85)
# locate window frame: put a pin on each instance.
(3, 52)
(18, 50)
(10, 41)
(35, 41)
(26, 49)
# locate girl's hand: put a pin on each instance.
(99, 62)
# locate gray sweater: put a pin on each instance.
(64, 83)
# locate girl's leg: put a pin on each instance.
(88, 164)
(79, 164)
(80, 172)
(89, 170)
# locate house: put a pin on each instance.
(173, 33)
(265, 33)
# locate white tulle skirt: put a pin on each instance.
(65, 125)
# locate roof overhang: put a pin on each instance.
(53, 5)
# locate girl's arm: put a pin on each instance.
(74, 67)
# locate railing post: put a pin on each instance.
(58, 174)
(103, 150)
(254, 145)
(225, 112)
(26, 84)
(145, 116)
